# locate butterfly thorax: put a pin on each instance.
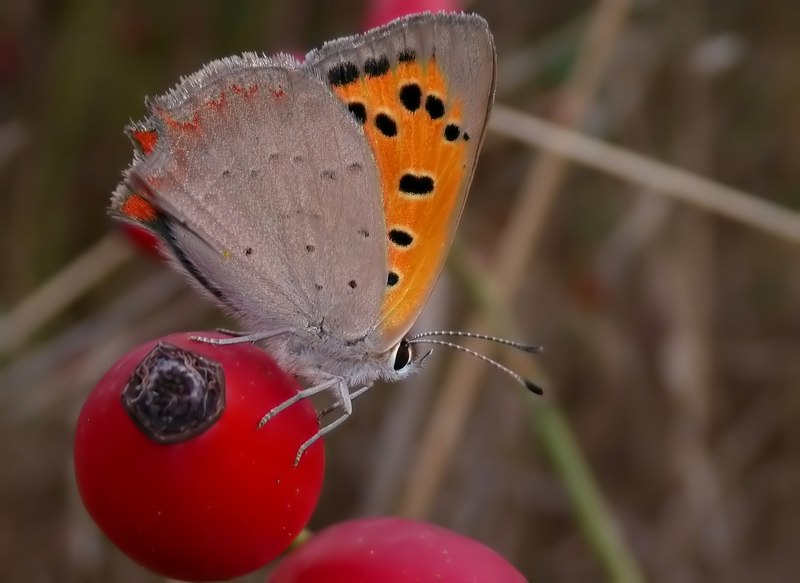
(317, 358)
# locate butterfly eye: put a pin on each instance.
(401, 356)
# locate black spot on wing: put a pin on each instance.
(376, 67)
(392, 279)
(386, 125)
(343, 74)
(400, 237)
(407, 56)
(416, 184)
(411, 96)
(451, 132)
(358, 110)
(434, 106)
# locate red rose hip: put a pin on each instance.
(170, 464)
(393, 550)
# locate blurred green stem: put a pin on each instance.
(557, 439)
(598, 525)
(301, 539)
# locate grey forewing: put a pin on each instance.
(278, 192)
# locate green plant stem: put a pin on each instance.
(557, 440)
(597, 524)
(301, 539)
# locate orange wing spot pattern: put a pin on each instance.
(248, 91)
(146, 140)
(190, 124)
(138, 208)
(218, 103)
(414, 127)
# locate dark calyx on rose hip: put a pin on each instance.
(174, 394)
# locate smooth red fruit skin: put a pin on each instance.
(382, 11)
(393, 550)
(218, 505)
(143, 240)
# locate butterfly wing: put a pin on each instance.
(263, 189)
(422, 88)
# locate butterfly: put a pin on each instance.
(316, 201)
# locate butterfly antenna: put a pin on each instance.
(421, 339)
(532, 348)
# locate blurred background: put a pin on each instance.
(667, 445)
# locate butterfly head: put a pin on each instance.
(318, 357)
(402, 360)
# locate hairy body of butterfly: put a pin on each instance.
(317, 200)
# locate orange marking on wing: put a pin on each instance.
(419, 147)
(138, 208)
(248, 91)
(191, 124)
(218, 103)
(147, 140)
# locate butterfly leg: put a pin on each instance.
(353, 396)
(229, 332)
(346, 403)
(240, 338)
(299, 396)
